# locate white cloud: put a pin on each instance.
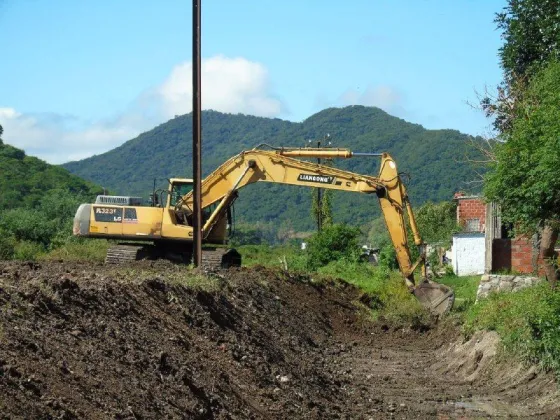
(233, 85)
(52, 138)
(228, 85)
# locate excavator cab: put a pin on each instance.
(178, 188)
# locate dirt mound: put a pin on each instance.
(135, 342)
(81, 343)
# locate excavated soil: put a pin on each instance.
(87, 341)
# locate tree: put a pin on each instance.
(322, 210)
(531, 33)
(525, 179)
(334, 242)
(437, 222)
(525, 167)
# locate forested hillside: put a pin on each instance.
(37, 203)
(434, 159)
(24, 180)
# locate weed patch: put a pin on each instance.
(465, 289)
(528, 322)
(288, 257)
(79, 250)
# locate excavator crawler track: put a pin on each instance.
(125, 253)
(212, 259)
(221, 258)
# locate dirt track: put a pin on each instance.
(90, 342)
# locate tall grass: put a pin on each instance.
(76, 249)
(465, 289)
(528, 322)
(289, 257)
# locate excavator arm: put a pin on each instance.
(282, 166)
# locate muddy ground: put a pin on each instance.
(133, 343)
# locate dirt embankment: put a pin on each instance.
(87, 342)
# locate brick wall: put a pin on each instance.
(471, 212)
(515, 255)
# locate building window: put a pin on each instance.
(472, 225)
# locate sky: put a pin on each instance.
(79, 78)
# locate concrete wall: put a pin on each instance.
(468, 253)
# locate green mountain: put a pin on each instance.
(25, 180)
(434, 159)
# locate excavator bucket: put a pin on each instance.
(435, 297)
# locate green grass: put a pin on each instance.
(79, 250)
(528, 322)
(273, 256)
(384, 291)
(366, 277)
(28, 251)
(465, 290)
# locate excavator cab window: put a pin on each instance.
(175, 200)
(179, 190)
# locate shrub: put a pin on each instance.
(334, 242)
(388, 257)
(7, 246)
(28, 225)
(528, 322)
(27, 251)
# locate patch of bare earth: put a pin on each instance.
(83, 341)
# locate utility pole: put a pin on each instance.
(197, 135)
(319, 203)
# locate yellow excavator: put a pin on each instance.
(164, 228)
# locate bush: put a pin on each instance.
(528, 321)
(27, 251)
(334, 242)
(388, 257)
(7, 246)
(28, 225)
(79, 249)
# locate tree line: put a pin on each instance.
(524, 176)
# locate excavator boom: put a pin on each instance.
(171, 226)
(281, 166)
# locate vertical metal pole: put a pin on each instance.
(197, 136)
(319, 203)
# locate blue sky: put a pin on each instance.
(81, 77)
